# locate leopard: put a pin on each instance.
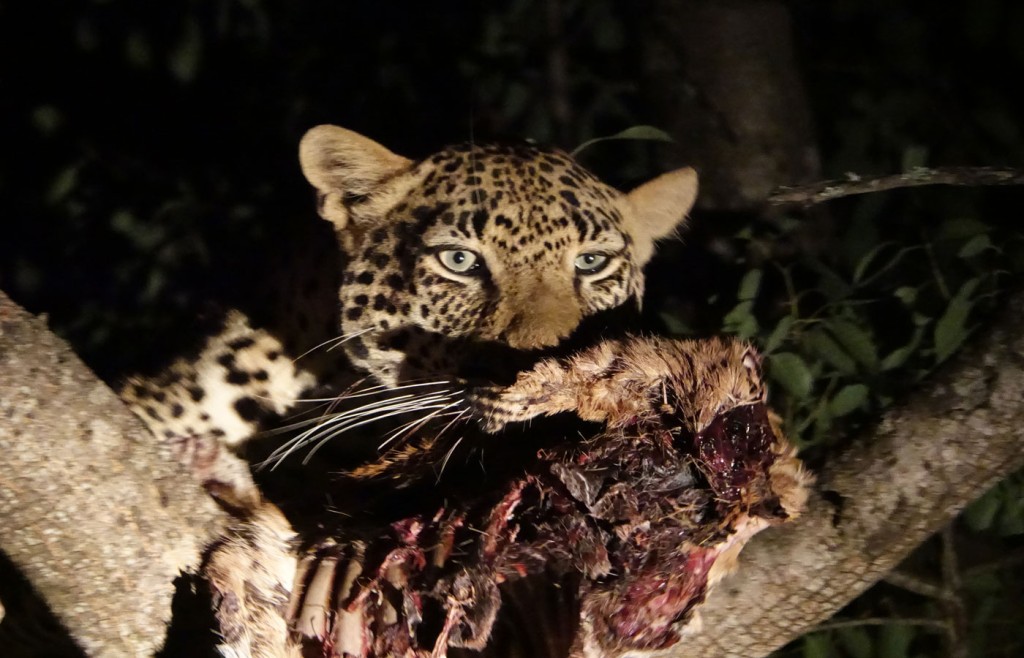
(444, 264)
(506, 244)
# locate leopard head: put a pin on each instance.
(510, 244)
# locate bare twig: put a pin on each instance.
(917, 585)
(934, 624)
(808, 195)
(1011, 559)
(953, 605)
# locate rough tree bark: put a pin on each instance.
(106, 567)
(93, 512)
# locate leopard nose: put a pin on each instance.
(542, 323)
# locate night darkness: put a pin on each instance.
(149, 171)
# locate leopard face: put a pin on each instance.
(514, 245)
(511, 246)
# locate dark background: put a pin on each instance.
(149, 173)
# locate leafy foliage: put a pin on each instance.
(848, 332)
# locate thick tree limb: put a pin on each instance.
(924, 463)
(808, 195)
(94, 514)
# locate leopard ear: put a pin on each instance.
(341, 163)
(660, 207)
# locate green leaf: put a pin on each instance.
(184, 59)
(894, 640)
(1011, 522)
(822, 426)
(745, 233)
(741, 321)
(818, 645)
(981, 514)
(951, 328)
(855, 340)
(866, 261)
(906, 294)
(675, 326)
(983, 584)
(848, 399)
(792, 373)
(62, 185)
(1012, 519)
(47, 119)
(137, 50)
(914, 157)
(920, 319)
(899, 356)
(829, 350)
(975, 246)
(750, 284)
(649, 133)
(856, 642)
(962, 228)
(833, 286)
(779, 334)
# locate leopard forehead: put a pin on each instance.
(512, 198)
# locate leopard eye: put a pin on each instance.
(459, 261)
(591, 263)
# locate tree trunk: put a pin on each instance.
(96, 514)
(722, 79)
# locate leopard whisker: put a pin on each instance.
(462, 412)
(417, 423)
(347, 338)
(447, 456)
(336, 340)
(331, 402)
(375, 390)
(458, 416)
(405, 400)
(346, 427)
(280, 429)
(359, 416)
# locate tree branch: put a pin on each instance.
(877, 500)
(97, 517)
(809, 195)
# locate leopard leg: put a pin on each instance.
(251, 573)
